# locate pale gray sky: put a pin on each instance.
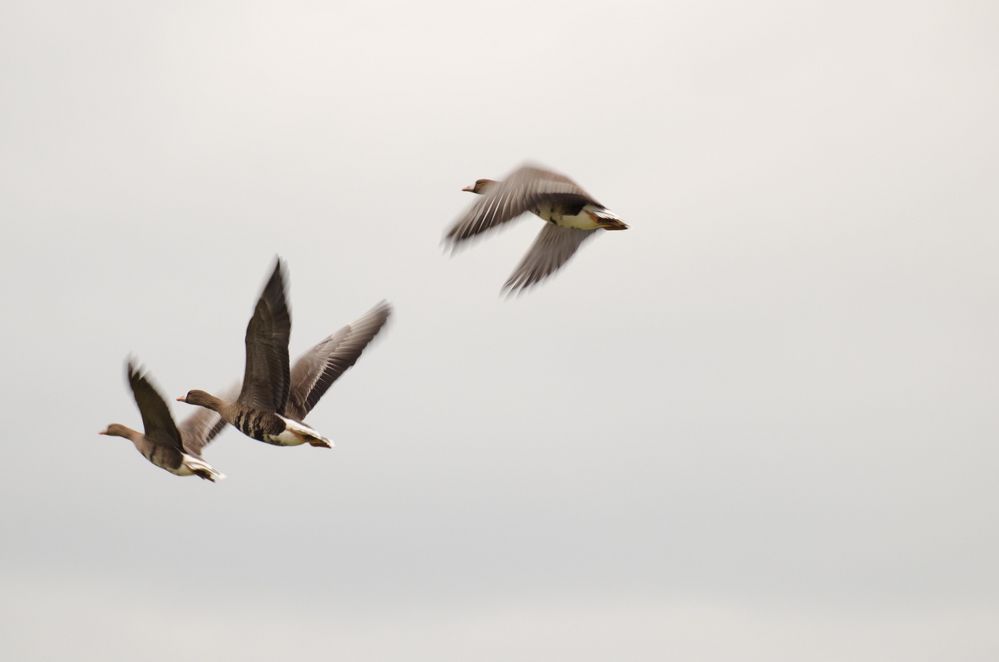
(759, 425)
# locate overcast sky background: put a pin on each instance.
(759, 425)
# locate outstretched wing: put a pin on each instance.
(525, 189)
(554, 247)
(266, 376)
(157, 422)
(322, 365)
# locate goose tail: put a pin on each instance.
(607, 219)
(305, 434)
(202, 469)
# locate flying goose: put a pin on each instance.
(176, 449)
(316, 370)
(572, 215)
(274, 399)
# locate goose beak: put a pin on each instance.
(104, 431)
(470, 189)
(182, 398)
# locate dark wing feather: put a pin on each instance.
(266, 377)
(157, 423)
(198, 429)
(554, 247)
(526, 188)
(317, 369)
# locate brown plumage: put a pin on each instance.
(274, 399)
(316, 370)
(572, 213)
(162, 442)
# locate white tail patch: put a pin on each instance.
(606, 219)
(606, 213)
(296, 433)
(202, 469)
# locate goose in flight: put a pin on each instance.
(572, 216)
(274, 399)
(167, 445)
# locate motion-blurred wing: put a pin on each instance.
(266, 377)
(317, 369)
(554, 247)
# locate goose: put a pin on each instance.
(167, 445)
(274, 400)
(572, 216)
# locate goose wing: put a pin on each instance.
(554, 247)
(157, 423)
(266, 377)
(316, 370)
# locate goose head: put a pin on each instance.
(201, 399)
(480, 186)
(116, 430)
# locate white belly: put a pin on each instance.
(296, 434)
(286, 438)
(581, 221)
